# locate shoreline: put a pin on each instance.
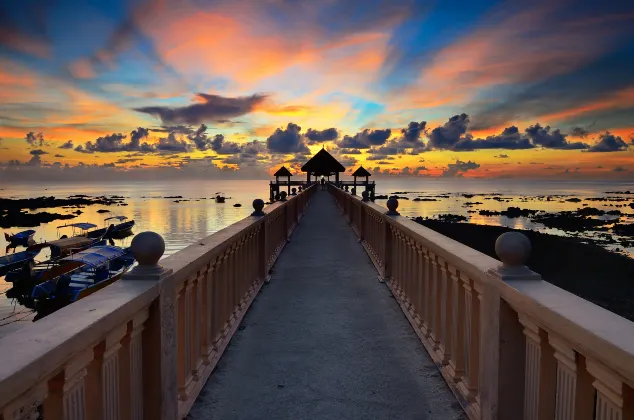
(586, 270)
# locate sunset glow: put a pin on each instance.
(163, 88)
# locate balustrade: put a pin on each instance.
(509, 344)
(143, 347)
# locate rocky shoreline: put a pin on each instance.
(582, 268)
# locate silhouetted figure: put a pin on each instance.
(323, 184)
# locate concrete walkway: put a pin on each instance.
(325, 340)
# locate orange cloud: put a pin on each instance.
(514, 50)
(620, 99)
(82, 69)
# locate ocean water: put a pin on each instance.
(185, 222)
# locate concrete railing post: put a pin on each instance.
(392, 205)
(258, 206)
(159, 361)
(508, 368)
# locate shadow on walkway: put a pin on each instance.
(325, 340)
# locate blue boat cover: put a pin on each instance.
(119, 218)
(96, 255)
(84, 226)
(18, 256)
(24, 234)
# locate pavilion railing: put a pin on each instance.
(509, 344)
(143, 347)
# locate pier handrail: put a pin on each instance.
(143, 347)
(509, 344)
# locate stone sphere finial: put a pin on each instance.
(392, 205)
(283, 196)
(365, 195)
(513, 249)
(293, 191)
(353, 191)
(147, 248)
(258, 205)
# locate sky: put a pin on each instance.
(146, 89)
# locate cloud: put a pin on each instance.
(34, 139)
(67, 145)
(171, 144)
(542, 136)
(510, 139)
(350, 151)
(59, 156)
(80, 148)
(579, 132)
(421, 168)
(609, 143)
(458, 168)
(38, 152)
(619, 169)
(365, 139)
(413, 132)
(288, 140)
(501, 156)
(316, 136)
(222, 147)
(447, 136)
(210, 108)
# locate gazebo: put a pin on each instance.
(361, 172)
(323, 164)
(283, 172)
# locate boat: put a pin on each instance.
(120, 230)
(65, 245)
(79, 229)
(14, 261)
(20, 238)
(220, 197)
(81, 275)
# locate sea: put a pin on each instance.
(195, 214)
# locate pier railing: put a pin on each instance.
(509, 344)
(143, 347)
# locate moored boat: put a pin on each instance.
(119, 230)
(20, 238)
(15, 261)
(80, 275)
(220, 197)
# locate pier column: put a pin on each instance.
(504, 355)
(158, 344)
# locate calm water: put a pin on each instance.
(182, 223)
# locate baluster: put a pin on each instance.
(110, 373)
(74, 388)
(445, 295)
(436, 298)
(566, 378)
(136, 365)
(470, 381)
(427, 297)
(407, 277)
(418, 286)
(27, 406)
(539, 372)
(208, 313)
(196, 315)
(182, 340)
(610, 404)
(456, 361)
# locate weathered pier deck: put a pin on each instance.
(323, 305)
(325, 340)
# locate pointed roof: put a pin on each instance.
(361, 172)
(283, 172)
(323, 163)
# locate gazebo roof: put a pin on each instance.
(323, 163)
(283, 172)
(361, 172)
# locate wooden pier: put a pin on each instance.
(323, 306)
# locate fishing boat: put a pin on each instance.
(78, 229)
(65, 245)
(80, 275)
(15, 261)
(220, 197)
(118, 230)
(20, 238)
